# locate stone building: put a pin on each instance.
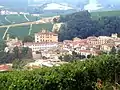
(46, 36)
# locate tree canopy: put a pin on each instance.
(28, 39)
(82, 25)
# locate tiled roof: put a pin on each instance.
(4, 67)
(46, 33)
(18, 43)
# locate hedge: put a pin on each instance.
(79, 75)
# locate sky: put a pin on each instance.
(20, 2)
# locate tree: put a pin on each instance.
(113, 51)
(78, 25)
(28, 39)
(16, 51)
(81, 25)
(55, 20)
(61, 58)
(2, 45)
(18, 64)
(24, 51)
(67, 58)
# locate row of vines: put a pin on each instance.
(91, 74)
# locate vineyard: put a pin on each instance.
(24, 30)
(97, 15)
(21, 31)
(98, 73)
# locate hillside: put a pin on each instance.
(17, 18)
(21, 25)
(24, 30)
(99, 14)
(83, 24)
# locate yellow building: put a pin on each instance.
(45, 36)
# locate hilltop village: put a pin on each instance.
(46, 50)
(58, 44)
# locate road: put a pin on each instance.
(5, 33)
(26, 18)
(44, 20)
(7, 20)
(21, 24)
(30, 29)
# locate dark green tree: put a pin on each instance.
(16, 52)
(28, 39)
(113, 51)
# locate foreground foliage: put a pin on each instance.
(80, 75)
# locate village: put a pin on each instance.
(46, 49)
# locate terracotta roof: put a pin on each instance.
(47, 33)
(18, 44)
(4, 67)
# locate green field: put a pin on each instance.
(97, 15)
(39, 27)
(21, 31)
(3, 21)
(16, 19)
(33, 18)
(2, 30)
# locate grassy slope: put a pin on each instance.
(23, 30)
(39, 27)
(21, 18)
(16, 18)
(2, 30)
(33, 18)
(3, 21)
(96, 15)
(19, 31)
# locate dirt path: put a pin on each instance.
(21, 24)
(7, 20)
(5, 33)
(26, 18)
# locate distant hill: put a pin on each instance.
(14, 5)
(82, 4)
(91, 5)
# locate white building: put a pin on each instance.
(41, 46)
